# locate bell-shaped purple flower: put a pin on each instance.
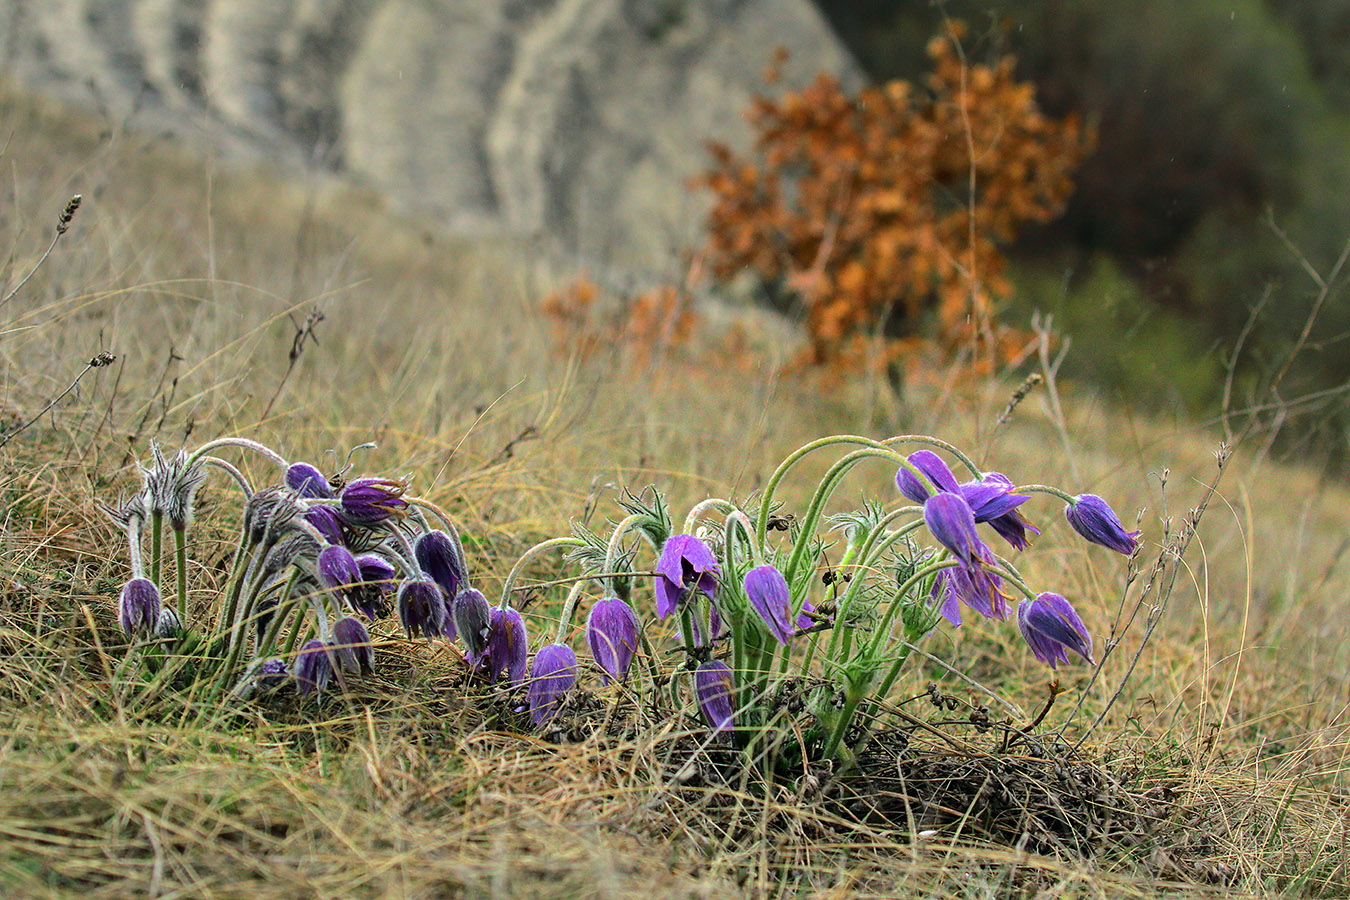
(337, 567)
(553, 674)
(612, 632)
(421, 608)
(138, 607)
(992, 501)
(686, 564)
(370, 596)
(313, 667)
(308, 481)
(473, 620)
(507, 646)
(351, 645)
(326, 521)
(952, 522)
(932, 466)
(1052, 628)
(1091, 517)
(438, 556)
(370, 501)
(976, 587)
(715, 689)
(769, 595)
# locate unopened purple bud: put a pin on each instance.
(473, 619)
(168, 624)
(1096, 521)
(553, 674)
(139, 606)
(273, 673)
(1052, 628)
(326, 521)
(769, 595)
(612, 633)
(351, 644)
(421, 608)
(715, 690)
(308, 481)
(370, 501)
(686, 564)
(507, 646)
(313, 667)
(438, 556)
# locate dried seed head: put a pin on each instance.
(68, 214)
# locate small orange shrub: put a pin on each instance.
(885, 207)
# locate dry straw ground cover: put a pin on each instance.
(305, 317)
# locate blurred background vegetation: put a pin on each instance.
(1215, 119)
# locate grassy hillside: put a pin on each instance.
(1226, 749)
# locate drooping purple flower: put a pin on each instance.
(992, 501)
(553, 674)
(138, 607)
(1091, 517)
(932, 466)
(337, 567)
(308, 481)
(507, 646)
(326, 521)
(370, 596)
(473, 619)
(421, 608)
(804, 621)
(612, 633)
(686, 564)
(273, 673)
(714, 688)
(1052, 628)
(952, 522)
(769, 595)
(438, 556)
(370, 501)
(976, 587)
(313, 667)
(351, 645)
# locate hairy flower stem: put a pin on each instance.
(231, 471)
(237, 650)
(626, 524)
(701, 508)
(156, 547)
(766, 504)
(569, 608)
(286, 609)
(871, 549)
(529, 554)
(245, 443)
(888, 618)
(180, 558)
(1044, 489)
(833, 476)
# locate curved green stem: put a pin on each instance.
(527, 556)
(621, 530)
(238, 442)
(1045, 489)
(884, 627)
(156, 548)
(180, 557)
(739, 520)
(701, 508)
(230, 470)
(569, 608)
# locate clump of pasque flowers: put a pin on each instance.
(733, 596)
(737, 590)
(320, 561)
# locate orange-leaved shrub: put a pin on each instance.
(883, 212)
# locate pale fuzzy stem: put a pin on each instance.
(527, 556)
(245, 443)
(701, 509)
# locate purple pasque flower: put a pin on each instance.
(370, 501)
(769, 595)
(351, 645)
(473, 620)
(992, 501)
(952, 521)
(313, 667)
(714, 688)
(612, 630)
(421, 608)
(936, 471)
(327, 521)
(686, 564)
(337, 567)
(370, 596)
(438, 556)
(138, 607)
(308, 481)
(168, 624)
(273, 673)
(507, 646)
(1096, 521)
(1052, 628)
(553, 674)
(805, 621)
